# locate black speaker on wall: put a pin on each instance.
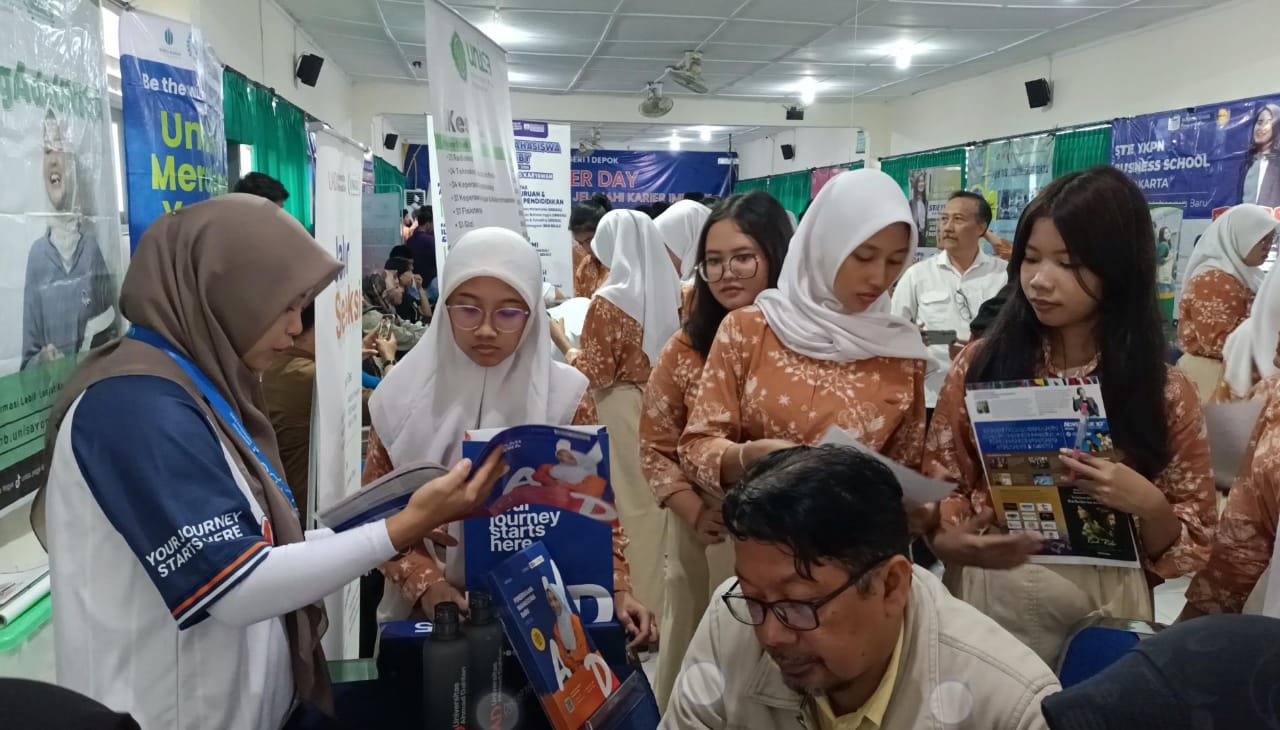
(1039, 93)
(308, 71)
(788, 152)
(389, 141)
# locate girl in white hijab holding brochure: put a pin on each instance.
(486, 363)
(630, 318)
(822, 349)
(1222, 278)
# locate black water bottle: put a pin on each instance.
(490, 702)
(444, 672)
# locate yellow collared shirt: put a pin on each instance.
(871, 715)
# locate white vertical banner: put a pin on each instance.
(474, 147)
(542, 158)
(335, 415)
(437, 204)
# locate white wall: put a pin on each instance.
(1228, 52)
(258, 39)
(814, 147)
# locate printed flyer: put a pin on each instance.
(564, 667)
(1020, 428)
(556, 491)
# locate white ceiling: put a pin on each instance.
(754, 49)
(643, 136)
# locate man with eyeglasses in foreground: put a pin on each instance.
(943, 293)
(829, 626)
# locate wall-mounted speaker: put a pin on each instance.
(788, 152)
(389, 141)
(1039, 93)
(795, 114)
(308, 71)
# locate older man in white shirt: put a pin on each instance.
(943, 293)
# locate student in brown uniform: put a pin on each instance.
(737, 254)
(1221, 280)
(1085, 305)
(822, 349)
(588, 271)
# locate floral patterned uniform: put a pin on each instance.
(668, 399)
(1039, 603)
(416, 570)
(1213, 305)
(753, 387)
(611, 351)
(588, 275)
(1247, 529)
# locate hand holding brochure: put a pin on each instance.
(915, 486)
(1020, 428)
(381, 499)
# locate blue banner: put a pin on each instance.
(632, 178)
(174, 142)
(1209, 158)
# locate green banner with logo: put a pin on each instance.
(473, 140)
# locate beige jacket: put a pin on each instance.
(958, 671)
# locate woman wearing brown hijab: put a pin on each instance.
(187, 593)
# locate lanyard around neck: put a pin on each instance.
(216, 401)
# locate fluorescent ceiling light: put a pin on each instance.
(501, 33)
(674, 143)
(902, 52)
(704, 134)
(808, 90)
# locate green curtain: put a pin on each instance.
(900, 167)
(754, 183)
(277, 131)
(792, 190)
(386, 177)
(1080, 149)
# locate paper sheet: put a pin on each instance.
(915, 486)
(20, 591)
(1230, 426)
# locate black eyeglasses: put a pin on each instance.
(742, 266)
(795, 615)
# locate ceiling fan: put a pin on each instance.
(688, 73)
(590, 143)
(655, 104)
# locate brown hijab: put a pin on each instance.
(211, 279)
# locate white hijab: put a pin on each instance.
(564, 619)
(681, 227)
(425, 406)
(1253, 345)
(642, 281)
(804, 312)
(1228, 240)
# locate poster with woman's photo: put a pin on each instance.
(62, 258)
(1166, 224)
(930, 187)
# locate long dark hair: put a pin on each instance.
(758, 215)
(586, 214)
(1104, 220)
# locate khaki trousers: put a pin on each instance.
(1039, 604)
(693, 572)
(639, 513)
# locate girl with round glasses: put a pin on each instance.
(627, 323)
(737, 254)
(822, 349)
(485, 364)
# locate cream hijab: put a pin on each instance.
(681, 228)
(642, 281)
(425, 406)
(1229, 239)
(804, 312)
(211, 278)
(1252, 347)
